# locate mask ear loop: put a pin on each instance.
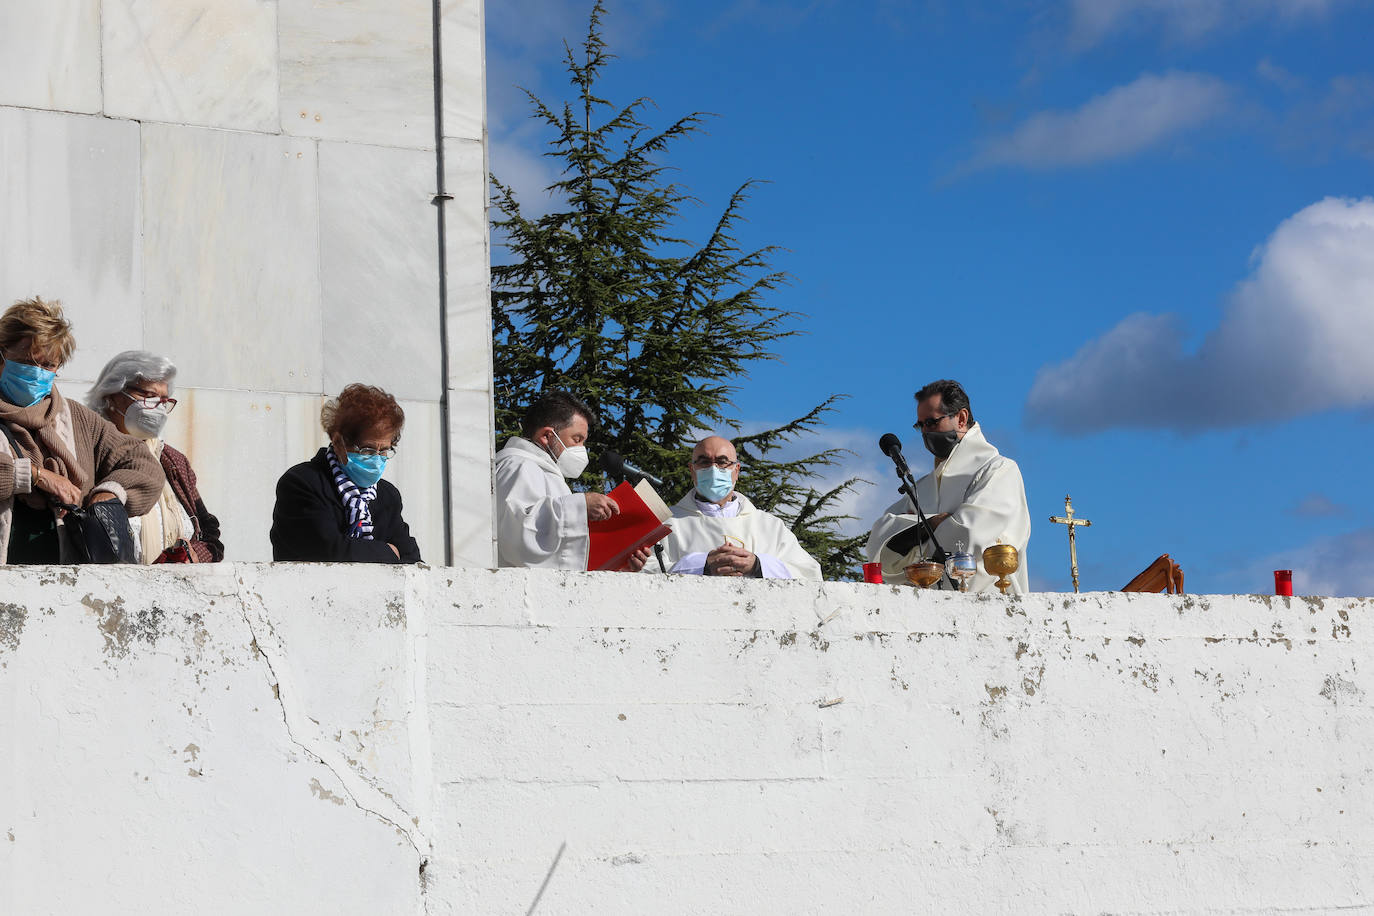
(560, 442)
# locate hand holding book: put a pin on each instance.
(637, 525)
(600, 507)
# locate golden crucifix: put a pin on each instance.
(1068, 519)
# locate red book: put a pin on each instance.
(640, 523)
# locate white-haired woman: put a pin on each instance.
(134, 393)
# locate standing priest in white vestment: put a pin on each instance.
(540, 521)
(973, 494)
(719, 532)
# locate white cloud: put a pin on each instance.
(1333, 117)
(525, 47)
(1280, 76)
(1094, 20)
(1294, 339)
(525, 51)
(1328, 567)
(1318, 505)
(518, 162)
(1091, 21)
(877, 488)
(1117, 123)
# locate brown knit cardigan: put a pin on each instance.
(105, 459)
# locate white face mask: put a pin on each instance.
(144, 423)
(572, 461)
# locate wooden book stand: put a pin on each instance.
(1163, 575)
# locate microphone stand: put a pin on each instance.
(908, 488)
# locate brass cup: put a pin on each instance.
(1001, 560)
(925, 573)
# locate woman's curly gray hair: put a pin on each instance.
(125, 369)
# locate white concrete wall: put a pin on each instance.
(227, 739)
(689, 745)
(246, 186)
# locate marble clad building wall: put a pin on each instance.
(247, 187)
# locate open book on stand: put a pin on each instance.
(640, 523)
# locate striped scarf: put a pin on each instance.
(355, 500)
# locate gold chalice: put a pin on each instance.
(1001, 560)
(924, 573)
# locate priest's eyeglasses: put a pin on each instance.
(930, 422)
(701, 462)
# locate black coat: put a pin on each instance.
(310, 521)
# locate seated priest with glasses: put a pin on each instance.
(973, 495)
(335, 508)
(717, 531)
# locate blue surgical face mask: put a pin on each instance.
(714, 483)
(364, 470)
(24, 385)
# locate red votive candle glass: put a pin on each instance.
(873, 572)
(1283, 581)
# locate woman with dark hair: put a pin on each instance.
(335, 508)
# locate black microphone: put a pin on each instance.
(892, 448)
(612, 463)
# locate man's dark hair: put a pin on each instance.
(555, 408)
(952, 396)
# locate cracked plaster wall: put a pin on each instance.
(643, 744)
(226, 739)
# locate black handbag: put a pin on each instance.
(100, 532)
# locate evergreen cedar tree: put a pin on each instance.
(602, 299)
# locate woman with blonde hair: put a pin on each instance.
(55, 452)
(134, 393)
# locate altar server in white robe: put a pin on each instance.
(973, 494)
(540, 521)
(717, 531)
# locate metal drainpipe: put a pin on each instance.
(442, 197)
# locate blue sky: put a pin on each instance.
(1139, 232)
